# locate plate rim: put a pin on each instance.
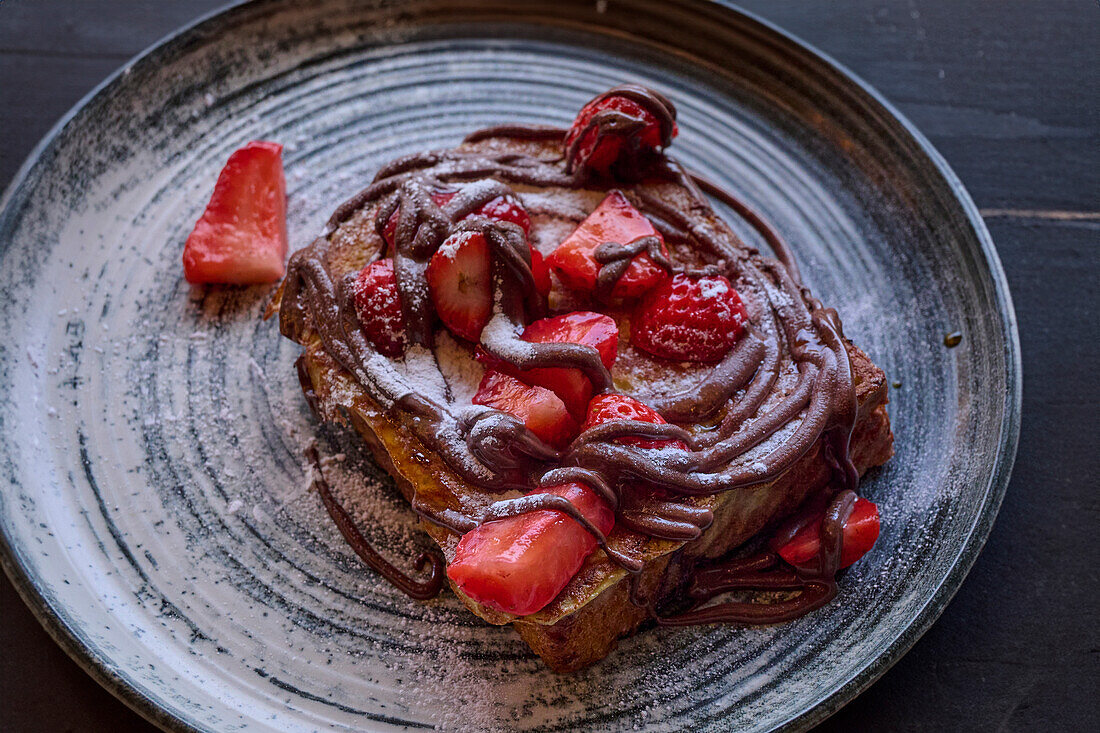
(100, 667)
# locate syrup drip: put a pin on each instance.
(418, 589)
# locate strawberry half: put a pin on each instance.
(688, 319)
(241, 237)
(571, 385)
(614, 220)
(378, 305)
(600, 152)
(860, 532)
(541, 410)
(520, 564)
(604, 408)
(461, 284)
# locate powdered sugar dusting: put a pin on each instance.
(456, 362)
(712, 287)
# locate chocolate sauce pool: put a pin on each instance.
(495, 451)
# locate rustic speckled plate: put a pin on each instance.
(155, 511)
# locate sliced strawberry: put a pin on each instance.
(541, 272)
(520, 564)
(579, 327)
(378, 306)
(614, 220)
(600, 152)
(541, 410)
(606, 407)
(571, 385)
(241, 237)
(688, 319)
(860, 532)
(461, 285)
(502, 208)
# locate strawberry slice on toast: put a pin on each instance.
(541, 410)
(571, 385)
(520, 564)
(859, 536)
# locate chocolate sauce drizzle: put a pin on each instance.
(420, 590)
(766, 572)
(495, 451)
(616, 122)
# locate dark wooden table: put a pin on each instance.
(1009, 92)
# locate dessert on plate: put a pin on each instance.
(607, 410)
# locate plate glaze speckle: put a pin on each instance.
(156, 512)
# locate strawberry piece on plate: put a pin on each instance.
(571, 385)
(461, 285)
(599, 152)
(860, 532)
(614, 220)
(541, 410)
(686, 319)
(520, 564)
(241, 237)
(378, 305)
(606, 407)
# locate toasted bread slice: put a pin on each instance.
(584, 622)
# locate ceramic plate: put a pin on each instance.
(155, 509)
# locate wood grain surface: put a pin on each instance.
(1009, 93)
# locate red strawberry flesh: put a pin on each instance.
(542, 411)
(589, 329)
(378, 305)
(607, 407)
(614, 220)
(519, 564)
(859, 535)
(686, 319)
(540, 271)
(600, 152)
(460, 282)
(241, 237)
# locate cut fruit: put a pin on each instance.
(599, 152)
(542, 411)
(571, 385)
(860, 532)
(460, 283)
(614, 220)
(604, 408)
(686, 319)
(241, 237)
(378, 306)
(520, 564)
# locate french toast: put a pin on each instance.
(753, 423)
